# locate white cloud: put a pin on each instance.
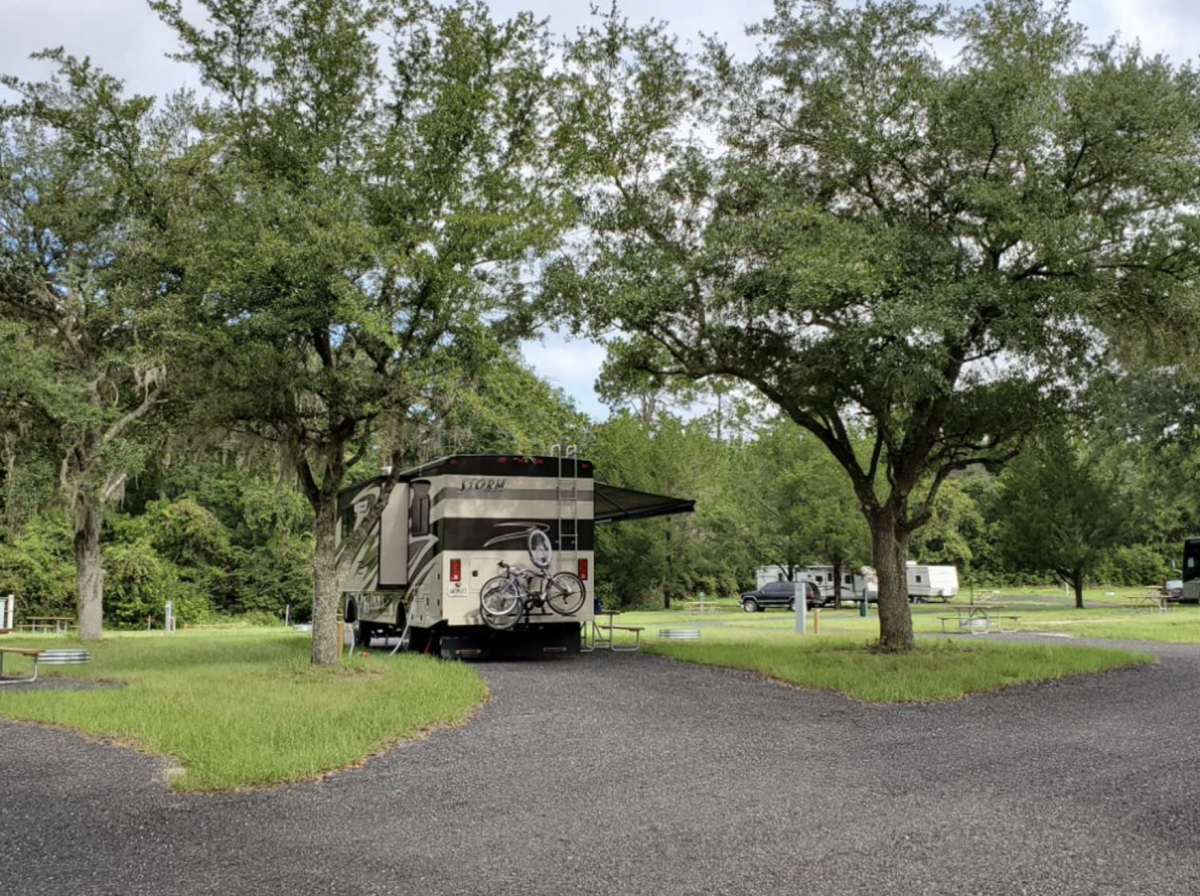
(571, 364)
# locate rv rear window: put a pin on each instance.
(418, 510)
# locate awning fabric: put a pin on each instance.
(613, 504)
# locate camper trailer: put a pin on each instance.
(1191, 570)
(853, 582)
(931, 582)
(458, 524)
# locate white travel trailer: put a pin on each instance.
(931, 582)
(853, 582)
(456, 524)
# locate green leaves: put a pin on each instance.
(871, 232)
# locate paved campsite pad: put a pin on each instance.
(635, 774)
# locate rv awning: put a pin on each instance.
(614, 504)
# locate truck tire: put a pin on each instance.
(750, 605)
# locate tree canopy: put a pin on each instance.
(940, 249)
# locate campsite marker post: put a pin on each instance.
(801, 607)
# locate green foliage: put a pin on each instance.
(1062, 509)
(937, 251)
(38, 567)
(139, 584)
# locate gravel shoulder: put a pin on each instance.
(637, 774)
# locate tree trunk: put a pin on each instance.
(669, 576)
(889, 547)
(1077, 583)
(326, 590)
(89, 573)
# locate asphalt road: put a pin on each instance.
(624, 774)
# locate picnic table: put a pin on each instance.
(598, 635)
(1154, 602)
(58, 624)
(20, 651)
(977, 618)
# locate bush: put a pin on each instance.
(260, 617)
(1138, 564)
(39, 568)
(138, 583)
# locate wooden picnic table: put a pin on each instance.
(1153, 602)
(33, 653)
(602, 635)
(60, 624)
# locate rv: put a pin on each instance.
(924, 582)
(459, 523)
(853, 583)
(1191, 570)
(931, 582)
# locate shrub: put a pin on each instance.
(39, 568)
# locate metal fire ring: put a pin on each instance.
(679, 634)
(64, 657)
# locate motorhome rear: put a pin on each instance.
(448, 528)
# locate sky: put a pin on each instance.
(126, 39)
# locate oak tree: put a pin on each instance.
(921, 221)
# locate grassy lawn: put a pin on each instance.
(243, 707)
(1108, 613)
(836, 660)
(937, 670)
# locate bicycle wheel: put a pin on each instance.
(500, 603)
(565, 593)
(540, 549)
(500, 596)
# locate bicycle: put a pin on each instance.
(504, 599)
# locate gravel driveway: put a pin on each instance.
(630, 774)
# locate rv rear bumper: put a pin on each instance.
(526, 641)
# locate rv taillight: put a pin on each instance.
(583, 565)
(455, 570)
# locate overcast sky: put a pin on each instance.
(125, 38)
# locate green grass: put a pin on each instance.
(1108, 614)
(243, 708)
(936, 670)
